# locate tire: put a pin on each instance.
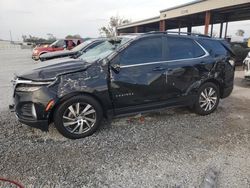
(207, 99)
(78, 117)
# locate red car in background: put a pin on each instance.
(58, 45)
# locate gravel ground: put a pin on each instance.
(170, 148)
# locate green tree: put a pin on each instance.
(240, 32)
(111, 29)
(76, 36)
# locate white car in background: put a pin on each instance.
(246, 67)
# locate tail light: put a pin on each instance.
(232, 62)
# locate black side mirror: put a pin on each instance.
(115, 64)
(116, 68)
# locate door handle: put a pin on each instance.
(158, 69)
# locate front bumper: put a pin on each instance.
(40, 124)
(35, 57)
(30, 107)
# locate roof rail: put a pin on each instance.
(175, 32)
(187, 33)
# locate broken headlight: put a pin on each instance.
(27, 88)
(30, 86)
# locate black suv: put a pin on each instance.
(126, 75)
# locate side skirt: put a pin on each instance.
(128, 111)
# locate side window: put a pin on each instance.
(214, 47)
(60, 43)
(142, 51)
(182, 48)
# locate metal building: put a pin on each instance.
(196, 13)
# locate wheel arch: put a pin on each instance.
(43, 52)
(216, 82)
(68, 96)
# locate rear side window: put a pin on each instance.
(142, 51)
(182, 48)
(215, 48)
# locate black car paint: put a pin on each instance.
(52, 69)
(124, 90)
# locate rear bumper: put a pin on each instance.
(227, 91)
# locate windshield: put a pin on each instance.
(103, 50)
(81, 46)
(58, 43)
(53, 43)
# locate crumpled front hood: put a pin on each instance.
(49, 70)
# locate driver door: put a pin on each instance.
(141, 77)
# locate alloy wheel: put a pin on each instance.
(79, 118)
(208, 99)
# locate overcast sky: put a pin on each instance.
(84, 17)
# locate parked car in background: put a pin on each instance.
(246, 67)
(58, 45)
(73, 53)
(134, 74)
(240, 50)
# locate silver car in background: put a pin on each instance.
(246, 67)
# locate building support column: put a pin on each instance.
(162, 25)
(221, 29)
(212, 27)
(207, 22)
(212, 30)
(189, 28)
(226, 30)
(179, 29)
(136, 29)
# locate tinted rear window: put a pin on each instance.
(214, 47)
(182, 48)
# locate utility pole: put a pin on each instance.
(11, 37)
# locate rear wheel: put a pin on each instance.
(207, 99)
(78, 117)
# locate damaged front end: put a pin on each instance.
(35, 98)
(31, 99)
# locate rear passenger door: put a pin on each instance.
(186, 61)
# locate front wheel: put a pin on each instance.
(78, 117)
(207, 99)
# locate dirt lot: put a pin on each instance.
(171, 148)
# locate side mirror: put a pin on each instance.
(116, 68)
(115, 64)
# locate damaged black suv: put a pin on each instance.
(128, 75)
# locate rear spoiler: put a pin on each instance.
(227, 45)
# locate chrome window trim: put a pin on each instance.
(169, 61)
